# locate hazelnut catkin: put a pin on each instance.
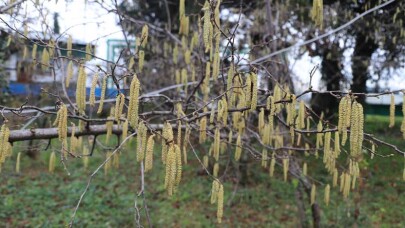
(102, 96)
(238, 150)
(92, 98)
(327, 194)
(392, 111)
(313, 194)
(149, 153)
(220, 208)
(52, 160)
(133, 102)
(141, 60)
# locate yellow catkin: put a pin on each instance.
(116, 160)
(119, 106)
(149, 153)
(285, 167)
(179, 133)
(18, 162)
(327, 194)
(185, 142)
(175, 54)
(172, 170)
(272, 165)
(319, 135)
(92, 98)
(52, 160)
(34, 52)
(81, 90)
(62, 122)
(217, 141)
(301, 115)
(346, 185)
(102, 96)
(356, 128)
(313, 194)
(69, 73)
(238, 149)
(317, 12)
(206, 26)
(337, 144)
(107, 165)
(392, 111)
(141, 142)
(220, 205)
(131, 63)
(124, 134)
(141, 60)
(187, 57)
(109, 125)
(133, 102)
(205, 161)
(264, 158)
(179, 165)
(88, 52)
(335, 177)
(45, 59)
(215, 170)
(144, 35)
(73, 139)
(214, 191)
(69, 46)
(5, 146)
(203, 129)
(304, 169)
(85, 158)
(25, 52)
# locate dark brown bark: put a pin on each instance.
(361, 60)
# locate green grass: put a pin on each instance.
(36, 198)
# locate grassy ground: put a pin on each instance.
(36, 198)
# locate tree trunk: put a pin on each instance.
(361, 60)
(331, 76)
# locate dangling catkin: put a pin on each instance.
(119, 106)
(356, 129)
(69, 73)
(206, 26)
(220, 208)
(52, 160)
(92, 98)
(149, 153)
(102, 96)
(88, 52)
(141, 60)
(272, 165)
(335, 177)
(144, 35)
(25, 52)
(203, 129)
(214, 191)
(215, 170)
(141, 142)
(285, 167)
(313, 194)
(34, 52)
(392, 111)
(179, 165)
(61, 120)
(304, 169)
(69, 46)
(238, 149)
(133, 102)
(17, 165)
(45, 59)
(327, 194)
(81, 90)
